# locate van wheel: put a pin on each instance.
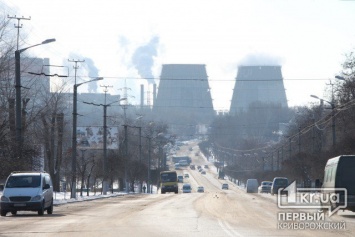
(334, 206)
(50, 209)
(13, 212)
(3, 212)
(41, 211)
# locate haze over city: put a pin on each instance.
(132, 39)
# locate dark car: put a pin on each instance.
(225, 186)
(200, 189)
(265, 187)
(279, 183)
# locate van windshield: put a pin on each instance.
(24, 181)
(168, 177)
(347, 175)
(281, 182)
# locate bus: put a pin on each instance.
(339, 174)
(169, 182)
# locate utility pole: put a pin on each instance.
(289, 148)
(18, 85)
(126, 155)
(278, 158)
(299, 140)
(73, 185)
(83, 169)
(148, 181)
(105, 163)
(333, 112)
(272, 161)
(18, 26)
(125, 96)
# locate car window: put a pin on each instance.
(23, 181)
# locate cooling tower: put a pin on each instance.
(258, 84)
(183, 98)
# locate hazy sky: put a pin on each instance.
(133, 38)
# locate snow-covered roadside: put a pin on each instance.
(64, 197)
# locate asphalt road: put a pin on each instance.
(214, 213)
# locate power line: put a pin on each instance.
(18, 26)
(214, 79)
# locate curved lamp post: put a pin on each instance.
(105, 163)
(333, 115)
(75, 92)
(18, 90)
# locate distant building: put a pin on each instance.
(258, 84)
(35, 79)
(92, 115)
(183, 99)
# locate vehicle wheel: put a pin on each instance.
(334, 205)
(41, 211)
(13, 212)
(3, 212)
(50, 209)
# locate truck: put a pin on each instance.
(169, 181)
(177, 159)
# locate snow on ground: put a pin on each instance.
(64, 197)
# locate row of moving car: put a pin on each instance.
(186, 188)
(252, 185)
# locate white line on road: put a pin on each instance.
(228, 229)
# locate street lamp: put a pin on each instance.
(333, 115)
(105, 165)
(75, 92)
(18, 90)
(340, 78)
(149, 189)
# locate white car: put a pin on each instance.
(27, 191)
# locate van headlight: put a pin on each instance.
(4, 199)
(37, 198)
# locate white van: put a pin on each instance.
(339, 174)
(252, 186)
(27, 191)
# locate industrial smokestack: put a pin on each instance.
(154, 93)
(142, 96)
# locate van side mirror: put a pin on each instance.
(46, 186)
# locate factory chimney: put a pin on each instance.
(142, 96)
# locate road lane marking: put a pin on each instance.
(228, 229)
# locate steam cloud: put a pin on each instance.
(93, 72)
(91, 69)
(143, 60)
(260, 60)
